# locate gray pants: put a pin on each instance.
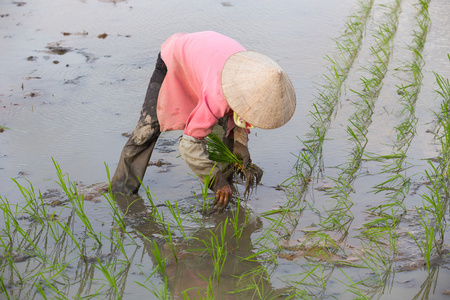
(139, 147)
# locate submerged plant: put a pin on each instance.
(219, 152)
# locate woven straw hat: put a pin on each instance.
(258, 90)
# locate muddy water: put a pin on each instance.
(70, 94)
(73, 76)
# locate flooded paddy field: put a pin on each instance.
(354, 201)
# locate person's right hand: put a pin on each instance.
(223, 195)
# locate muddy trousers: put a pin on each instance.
(137, 151)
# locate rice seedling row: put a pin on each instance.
(377, 257)
(327, 99)
(339, 216)
(397, 184)
(434, 211)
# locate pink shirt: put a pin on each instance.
(191, 95)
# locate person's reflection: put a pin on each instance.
(192, 273)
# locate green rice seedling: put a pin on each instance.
(161, 293)
(116, 213)
(376, 259)
(303, 278)
(239, 227)
(358, 134)
(208, 293)
(41, 290)
(110, 275)
(312, 279)
(254, 280)
(160, 260)
(66, 228)
(3, 289)
(48, 285)
(264, 254)
(320, 244)
(117, 241)
(338, 219)
(219, 152)
(168, 238)
(52, 227)
(444, 86)
(426, 244)
(392, 183)
(321, 279)
(435, 203)
(76, 200)
(216, 247)
(28, 242)
(8, 216)
(197, 216)
(382, 230)
(119, 219)
(307, 166)
(10, 261)
(33, 208)
(177, 217)
(353, 286)
(37, 209)
(205, 190)
(158, 255)
(444, 122)
(157, 215)
(276, 225)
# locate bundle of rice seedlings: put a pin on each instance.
(219, 152)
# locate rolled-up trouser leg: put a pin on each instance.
(137, 151)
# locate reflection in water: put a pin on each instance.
(210, 261)
(428, 287)
(47, 249)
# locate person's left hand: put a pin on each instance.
(242, 152)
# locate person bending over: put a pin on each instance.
(201, 80)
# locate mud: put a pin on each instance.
(57, 49)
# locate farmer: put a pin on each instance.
(200, 80)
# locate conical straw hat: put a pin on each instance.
(258, 90)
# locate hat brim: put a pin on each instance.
(258, 89)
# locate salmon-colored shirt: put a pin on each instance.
(191, 95)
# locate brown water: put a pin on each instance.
(73, 77)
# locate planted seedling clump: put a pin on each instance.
(219, 152)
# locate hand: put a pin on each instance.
(223, 195)
(242, 152)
